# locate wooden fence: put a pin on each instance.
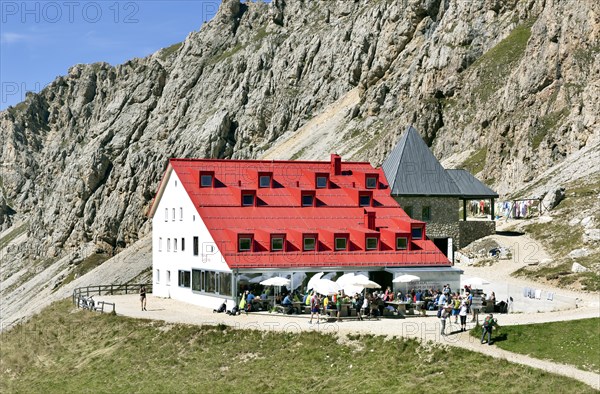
(83, 293)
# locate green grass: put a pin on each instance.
(547, 124)
(166, 52)
(575, 342)
(496, 64)
(62, 350)
(8, 238)
(88, 264)
(559, 238)
(226, 54)
(476, 162)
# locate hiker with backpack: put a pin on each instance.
(488, 325)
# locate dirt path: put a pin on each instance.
(423, 328)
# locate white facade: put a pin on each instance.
(175, 224)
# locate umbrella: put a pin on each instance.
(351, 290)
(326, 287)
(363, 281)
(406, 278)
(475, 282)
(297, 279)
(259, 278)
(277, 281)
(345, 279)
(311, 282)
(328, 275)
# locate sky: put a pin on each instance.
(40, 40)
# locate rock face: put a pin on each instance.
(514, 83)
(553, 197)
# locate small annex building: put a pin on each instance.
(428, 192)
(215, 221)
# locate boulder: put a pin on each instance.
(587, 221)
(579, 253)
(553, 197)
(578, 268)
(591, 235)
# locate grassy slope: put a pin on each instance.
(559, 238)
(62, 350)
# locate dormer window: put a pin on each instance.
(371, 182)
(206, 181)
(308, 200)
(364, 200)
(417, 233)
(372, 243)
(401, 243)
(321, 182)
(277, 244)
(244, 244)
(247, 200)
(310, 243)
(341, 243)
(264, 181)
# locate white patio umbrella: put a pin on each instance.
(311, 282)
(345, 279)
(363, 281)
(406, 278)
(276, 281)
(475, 282)
(326, 287)
(351, 290)
(259, 279)
(328, 275)
(297, 279)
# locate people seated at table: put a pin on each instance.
(249, 296)
(388, 295)
(288, 305)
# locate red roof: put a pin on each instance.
(278, 209)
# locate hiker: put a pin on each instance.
(462, 313)
(443, 314)
(488, 324)
(143, 297)
(314, 307)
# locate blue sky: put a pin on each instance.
(40, 40)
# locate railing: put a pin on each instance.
(81, 295)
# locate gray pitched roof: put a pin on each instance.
(411, 169)
(470, 187)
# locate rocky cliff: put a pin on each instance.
(508, 89)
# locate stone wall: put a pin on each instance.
(443, 209)
(473, 230)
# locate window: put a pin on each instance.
(321, 182)
(307, 200)
(244, 244)
(225, 283)
(183, 244)
(166, 214)
(210, 282)
(168, 244)
(184, 278)
(276, 244)
(364, 201)
(197, 280)
(372, 243)
(426, 213)
(168, 278)
(206, 180)
(264, 181)
(309, 243)
(409, 210)
(174, 244)
(340, 243)
(401, 243)
(193, 218)
(195, 246)
(175, 183)
(160, 244)
(157, 276)
(180, 213)
(371, 182)
(417, 233)
(247, 200)
(173, 217)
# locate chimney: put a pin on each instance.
(370, 219)
(336, 164)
